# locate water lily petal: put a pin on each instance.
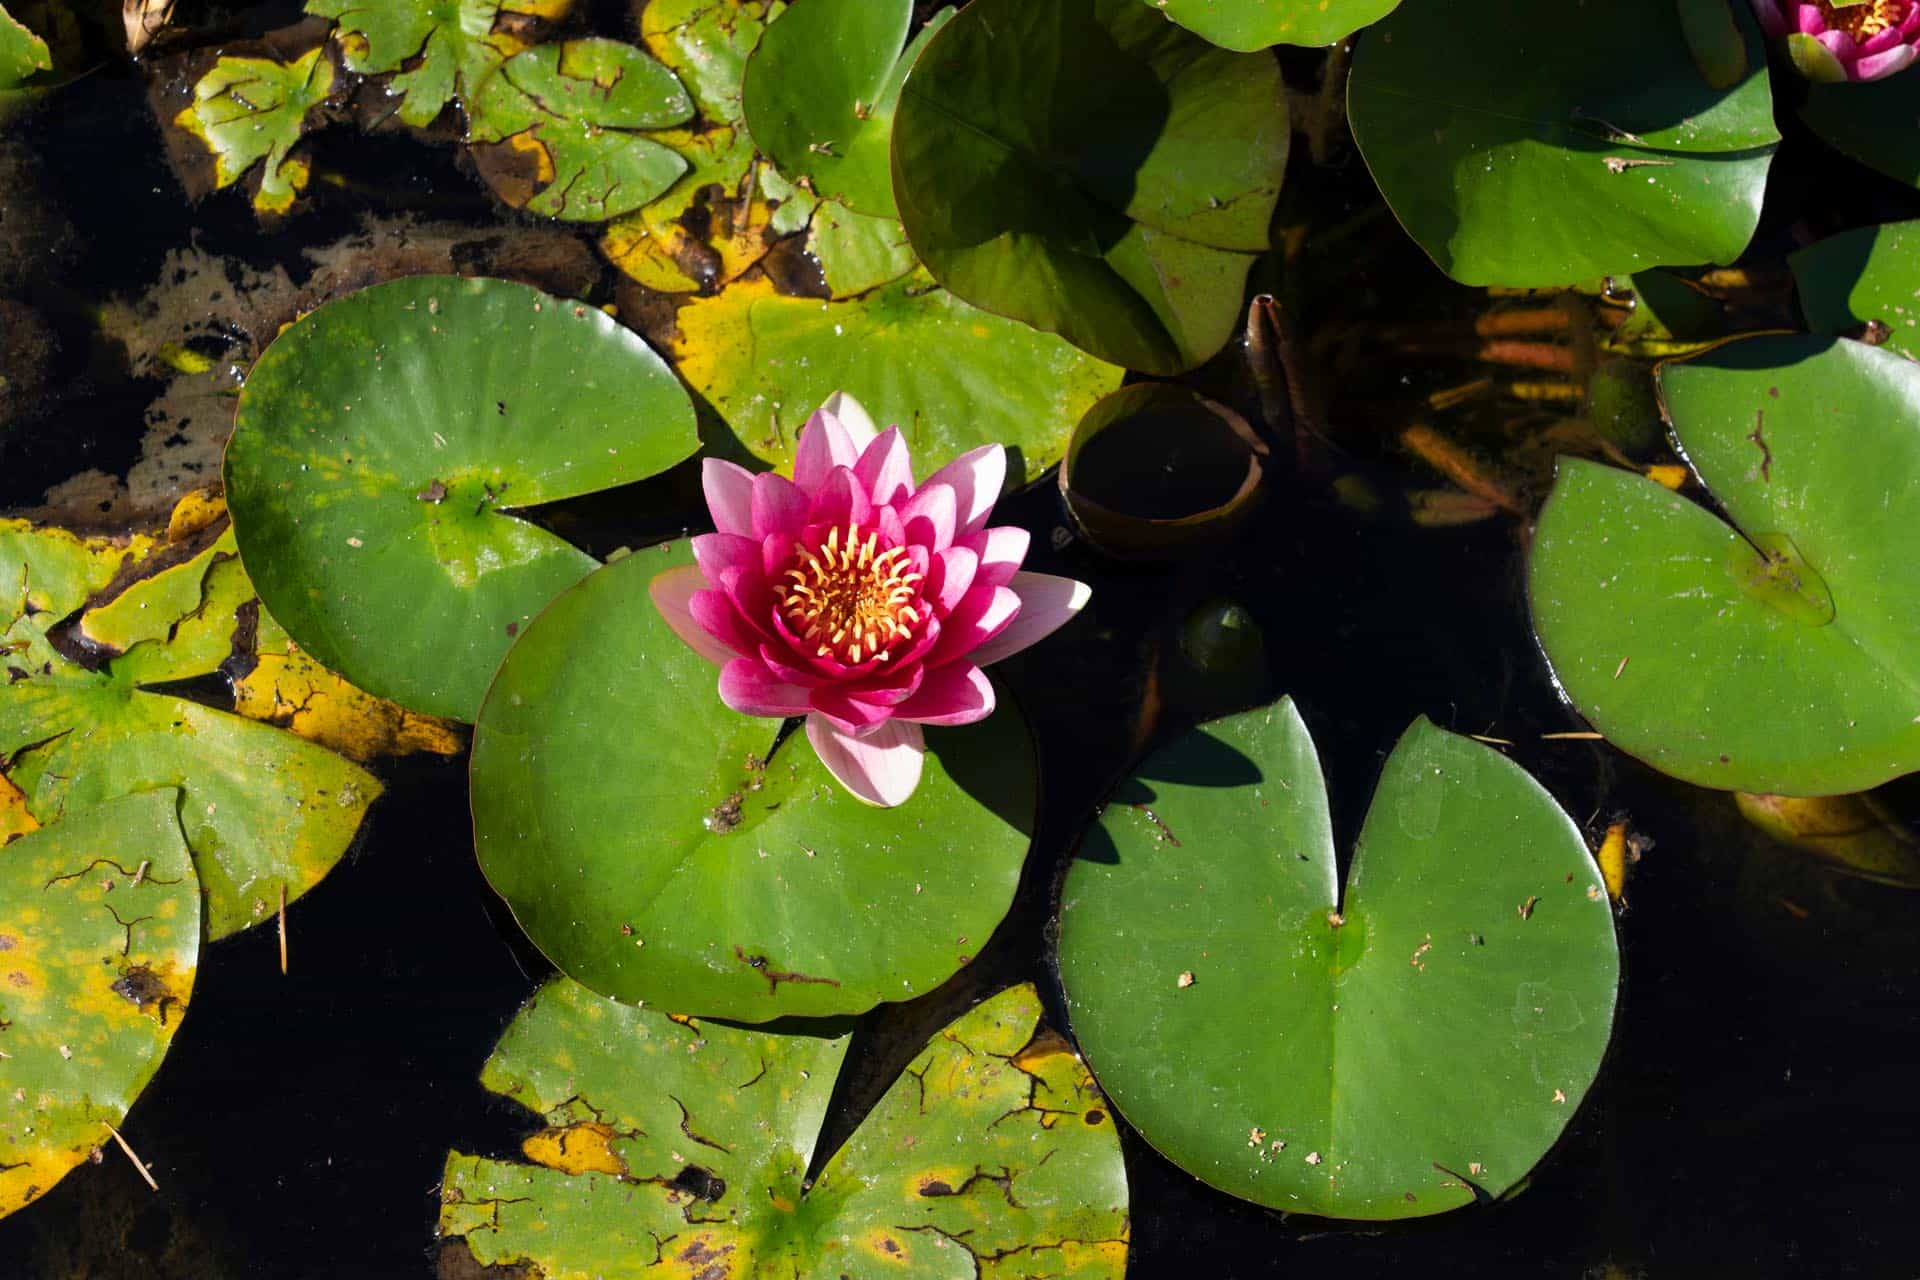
(982, 614)
(779, 505)
(1047, 603)
(958, 693)
(729, 490)
(671, 592)
(839, 500)
(976, 478)
(930, 516)
(715, 553)
(952, 574)
(824, 445)
(853, 417)
(1002, 550)
(886, 469)
(1809, 20)
(715, 614)
(881, 768)
(749, 688)
(844, 711)
(1884, 64)
(1840, 45)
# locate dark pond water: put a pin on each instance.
(1757, 1114)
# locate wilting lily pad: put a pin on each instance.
(1873, 123)
(821, 90)
(1093, 170)
(1780, 654)
(952, 376)
(1512, 144)
(1254, 24)
(262, 810)
(1375, 1055)
(683, 1145)
(249, 111)
(99, 941)
(668, 244)
(707, 863)
(381, 443)
(1849, 281)
(555, 130)
(446, 47)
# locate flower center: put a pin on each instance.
(1864, 21)
(850, 601)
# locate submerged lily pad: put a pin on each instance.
(1873, 123)
(555, 130)
(99, 942)
(1254, 24)
(262, 810)
(1528, 144)
(382, 442)
(253, 111)
(706, 863)
(1093, 170)
(442, 49)
(1779, 654)
(952, 376)
(684, 1145)
(822, 88)
(1851, 281)
(1377, 1054)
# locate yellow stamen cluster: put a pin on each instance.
(848, 599)
(1864, 21)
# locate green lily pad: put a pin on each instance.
(857, 251)
(253, 111)
(822, 88)
(755, 886)
(99, 942)
(263, 810)
(1247, 25)
(555, 129)
(952, 376)
(683, 1146)
(1779, 654)
(381, 443)
(22, 53)
(1534, 145)
(1872, 123)
(1868, 274)
(446, 47)
(1093, 170)
(1373, 1056)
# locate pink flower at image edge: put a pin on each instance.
(1866, 41)
(854, 598)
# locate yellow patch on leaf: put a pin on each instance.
(287, 687)
(586, 1147)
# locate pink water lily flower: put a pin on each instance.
(1834, 40)
(854, 598)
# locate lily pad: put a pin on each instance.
(1533, 145)
(262, 810)
(1777, 654)
(555, 130)
(22, 53)
(442, 49)
(253, 111)
(754, 885)
(684, 1145)
(1873, 123)
(99, 942)
(382, 442)
(666, 245)
(1093, 170)
(857, 251)
(1247, 25)
(1376, 1055)
(822, 88)
(952, 376)
(1870, 274)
